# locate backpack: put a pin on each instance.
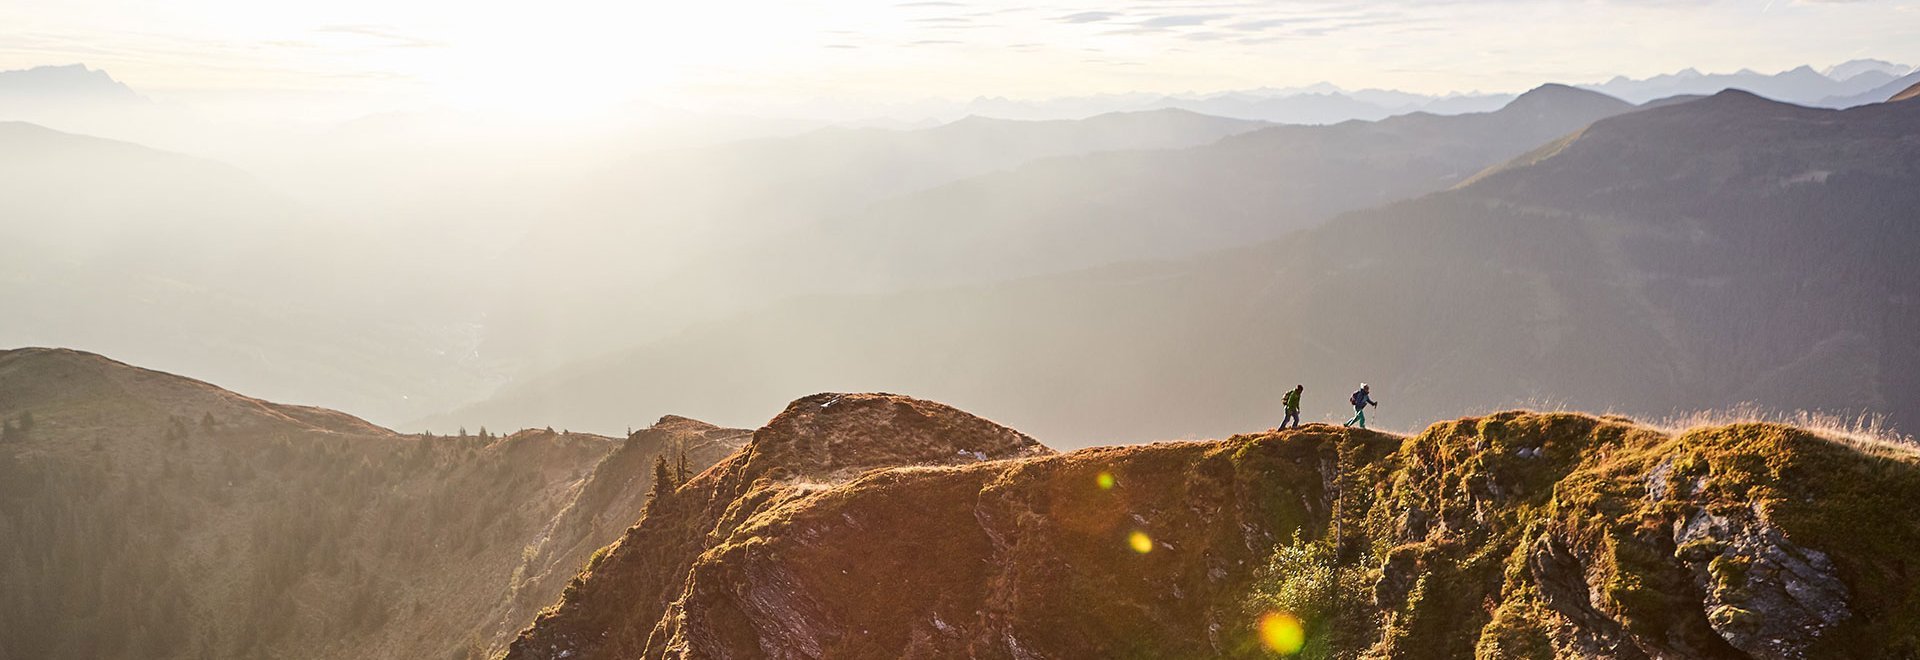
(1355, 399)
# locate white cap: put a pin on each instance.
(1363, 386)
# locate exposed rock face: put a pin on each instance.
(638, 600)
(1756, 570)
(1510, 536)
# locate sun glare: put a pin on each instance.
(1282, 633)
(1140, 542)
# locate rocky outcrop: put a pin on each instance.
(1765, 595)
(875, 530)
(638, 600)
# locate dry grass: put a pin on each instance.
(1867, 432)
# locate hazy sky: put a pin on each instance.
(541, 56)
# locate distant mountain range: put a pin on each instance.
(178, 261)
(1855, 82)
(773, 232)
(1323, 103)
(1099, 208)
(1842, 85)
(1845, 85)
(44, 86)
(1692, 256)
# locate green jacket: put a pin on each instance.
(1292, 400)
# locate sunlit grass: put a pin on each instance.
(1868, 432)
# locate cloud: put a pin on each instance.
(1089, 17)
(1264, 24)
(388, 37)
(1181, 20)
(934, 3)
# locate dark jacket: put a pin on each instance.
(1362, 399)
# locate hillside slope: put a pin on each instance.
(1687, 257)
(145, 515)
(1515, 535)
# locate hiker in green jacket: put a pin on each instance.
(1292, 400)
(1360, 401)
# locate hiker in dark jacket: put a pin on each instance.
(1292, 401)
(1360, 401)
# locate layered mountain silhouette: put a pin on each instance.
(1064, 214)
(1694, 256)
(1879, 94)
(146, 515)
(662, 212)
(1839, 86)
(772, 184)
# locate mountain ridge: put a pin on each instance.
(1200, 548)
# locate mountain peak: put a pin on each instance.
(64, 82)
(121, 395)
(1739, 97)
(1852, 68)
(835, 435)
(1552, 96)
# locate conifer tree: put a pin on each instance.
(663, 481)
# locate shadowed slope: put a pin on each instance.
(146, 515)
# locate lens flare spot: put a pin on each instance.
(1281, 633)
(1140, 542)
(1105, 480)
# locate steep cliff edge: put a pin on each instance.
(1515, 535)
